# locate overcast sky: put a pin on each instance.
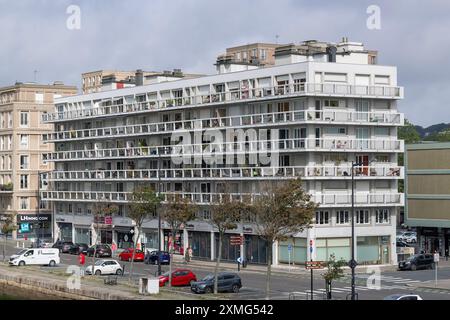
(189, 34)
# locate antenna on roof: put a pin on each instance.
(35, 75)
(276, 38)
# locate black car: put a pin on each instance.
(63, 246)
(226, 282)
(153, 257)
(78, 248)
(102, 250)
(402, 244)
(417, 261)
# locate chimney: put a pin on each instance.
(139, 77)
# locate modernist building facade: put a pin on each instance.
(309, 116)
(21, 147)
(427, 188)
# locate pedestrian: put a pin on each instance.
(187, 258)
(446, 254)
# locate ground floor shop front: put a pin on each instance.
(433, 239)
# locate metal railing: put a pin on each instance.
(212, 198)
(327, 172)
(254, 146)
(231, 96)
(262, 119)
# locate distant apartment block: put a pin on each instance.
(427, 189)
(323, 106)
(22, 107)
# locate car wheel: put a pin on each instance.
(208, 290)
(119, 272)
(235, 288)
(52, 263)
(21, 263)
(413, 267)
(98, 273)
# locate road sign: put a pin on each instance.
(314, 265)
(436, 257)
(289, 247)
(236, 240)
(352, 264)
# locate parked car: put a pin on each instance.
(403, 297)
(127, 255)
(180, 277)
(36, 256)
(153, 257)
(78, 248)
(42, 243)
(63, 246)
(417, 261)
(226, 281)
(105, 266)
(103, 250)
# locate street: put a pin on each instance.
(295, 286)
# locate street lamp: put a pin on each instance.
(353, 262)
(159, 214)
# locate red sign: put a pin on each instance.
(236, 240)
(314, 265)
(108, 220)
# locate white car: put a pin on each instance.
(105, 266)
(409, 237)
(403, 297)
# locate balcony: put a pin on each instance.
(232, 96)
(6, 188)
(325, 200)
(235, 173)
(252, 120)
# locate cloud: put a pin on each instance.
(189, 34)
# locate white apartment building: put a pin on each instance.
(324, 106)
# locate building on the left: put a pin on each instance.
(21, 162)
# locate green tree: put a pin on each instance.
(143, 205)
(334, 272)
(226, 212)
(100, 210)
(8, 225)
(177, 212)
(408, 133)
(282, 209)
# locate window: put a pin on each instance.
(238, 56)
(39, 98)
(382, 158)
(382, 215)
(43, 204)
(382, 131)
(362, 216)
(322, 217)
(23, 162)
(24, 118)
(334, 103)
(335, 77)
(263, 54)
(335, 130)
(23, 181)
(24, 140)
(342, 217)
(24, 203)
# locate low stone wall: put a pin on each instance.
(56, 288)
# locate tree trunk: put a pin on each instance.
(269, 269)
(171, 256)
(95, 251)
(219, 256)
(4, 247)
(134, 253)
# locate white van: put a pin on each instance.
(36, 256)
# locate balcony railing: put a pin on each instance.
(325, 200)
(305, 172)
(262, 119)
(244, 147)
(232, 96)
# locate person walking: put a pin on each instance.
(446, 254)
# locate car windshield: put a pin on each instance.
(165, 274)
(411, 258)
(208, 277)
(99, 262)
(393, 297)
(21, 252)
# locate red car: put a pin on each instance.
(180, 277)
(127, 255)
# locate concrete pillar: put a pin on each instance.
(73, 233)
(186, 243)
(242, 247)
(213, 247)
(162, 239)
(275, 253)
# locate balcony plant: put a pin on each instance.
(170, 102)
(8, 186)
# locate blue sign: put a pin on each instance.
(311, 249)
(25, 227)
(289, 247)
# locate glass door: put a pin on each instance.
(362, 110)
(362, 136)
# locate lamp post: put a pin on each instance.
(39, 173)
(159, 214)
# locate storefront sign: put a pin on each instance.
(314, 265)
(22, 218)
